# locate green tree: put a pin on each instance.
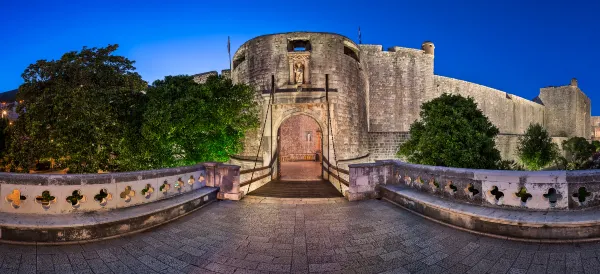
(596, 145)
(76, 110)
(186, 123)
(578, 153)
(4, 134)
(452, 132)
(536, 149)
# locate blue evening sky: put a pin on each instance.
(517, 46)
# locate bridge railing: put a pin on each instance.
(337, 176)
(251, 179)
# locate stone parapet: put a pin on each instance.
(96, 225)
(77, 193)
(82, 207)
(532, 226)
(520, 190)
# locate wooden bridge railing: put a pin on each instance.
(257, 171)
(336, 172)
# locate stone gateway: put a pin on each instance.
(365, 98)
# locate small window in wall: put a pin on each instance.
(299, 45)
(350, 52)
(238, 60)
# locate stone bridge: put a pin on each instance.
(391, 217)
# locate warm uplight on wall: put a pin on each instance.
(3, 113)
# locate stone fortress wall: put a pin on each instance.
(595, 121)
(376, 94)
(327, 61)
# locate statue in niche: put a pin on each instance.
(299, 73)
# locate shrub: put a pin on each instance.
(578, 153)
(452, 132)
(536, 149)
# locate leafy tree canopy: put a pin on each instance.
(536, 149)
(452, 132)
(596, 144)
(578, 152)
(186, 123)
(76, 109)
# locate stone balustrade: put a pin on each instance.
(548, 206)
(60, 194)
(82, 207)
(527, 190)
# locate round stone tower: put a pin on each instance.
(428, 47)
(309, 69)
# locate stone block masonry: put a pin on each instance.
(374, 95)
(384, 145)
(595, 127)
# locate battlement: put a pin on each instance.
(394, 49)
(201, 78)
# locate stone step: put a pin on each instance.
(297, 189)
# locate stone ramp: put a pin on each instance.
(297, 189)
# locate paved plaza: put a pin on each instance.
(265, 235)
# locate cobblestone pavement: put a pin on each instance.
(267, 236)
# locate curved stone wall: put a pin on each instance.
(84, 207)
(24, 193)
(548, 206)
(523, 190)
(325, 54)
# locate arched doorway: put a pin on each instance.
(300, 143)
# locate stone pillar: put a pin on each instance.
(306, 79)
(211, 169)
(292, 79)
(228, 179)
(365, 179)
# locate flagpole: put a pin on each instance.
(359, 36)
(229, 53)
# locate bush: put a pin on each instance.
(596, 145)
(509, 165)
(536, 149)
(452, 132)
(578, 153)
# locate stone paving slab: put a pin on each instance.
(342, 237)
